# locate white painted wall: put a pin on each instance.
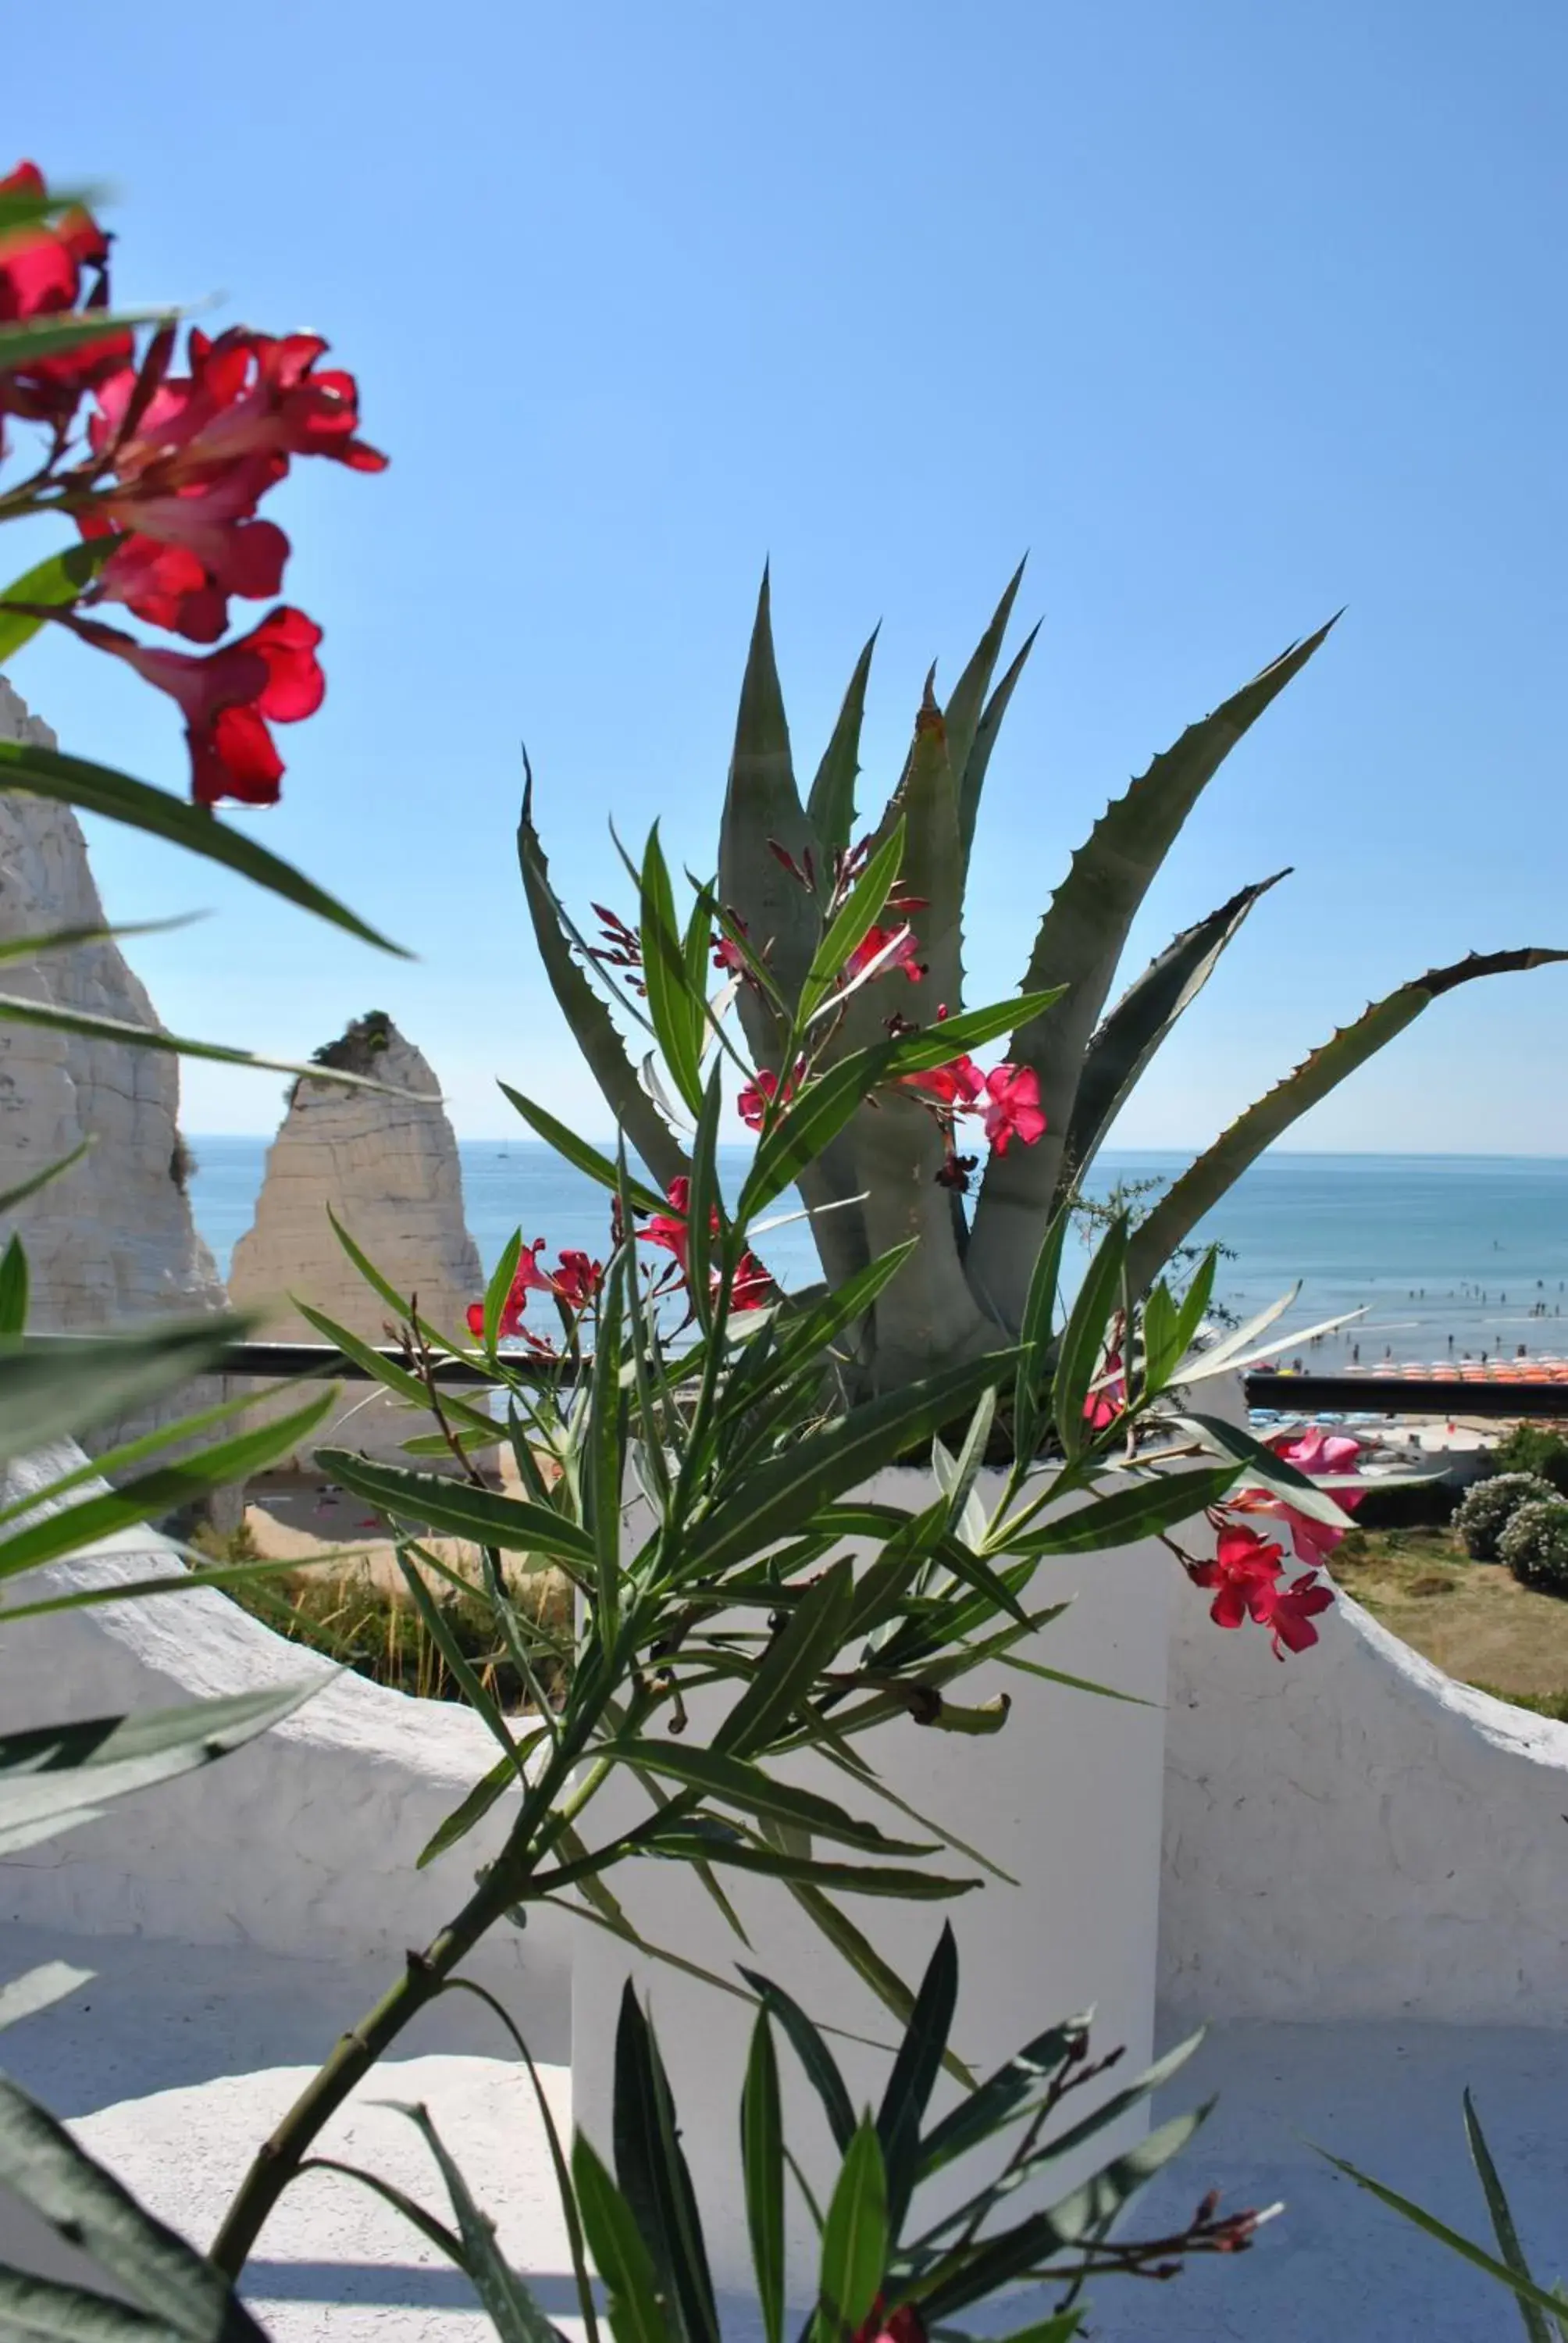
(1353, 1834)
(304, 1842)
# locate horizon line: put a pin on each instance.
(1372, 1154)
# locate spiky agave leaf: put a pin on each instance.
(979, 755)
(1139, 1023)
(1080, 943)
(593, 1028)
(830, 808)
(1205, 1182)
(763, 815)
(967, 704)
(762, 810)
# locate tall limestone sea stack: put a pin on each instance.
(388, 1169)
(112, 1240)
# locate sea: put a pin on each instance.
(1440, 1257)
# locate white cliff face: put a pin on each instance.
(112, 1240)
(388, 1169)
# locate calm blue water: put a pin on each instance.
(1429, 1244)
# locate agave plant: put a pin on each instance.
(891, 1174)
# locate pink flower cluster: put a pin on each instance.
(1007, 1098)
(1248, 1573)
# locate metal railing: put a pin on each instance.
(1292, 1394)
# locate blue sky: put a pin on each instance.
(1229, 314)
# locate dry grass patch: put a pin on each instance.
(1472, 1619)
(361, 1614)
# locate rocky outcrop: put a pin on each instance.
(112, 1240)
(388, 1167)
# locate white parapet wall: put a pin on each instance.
(1348, 1835)
(1351, 1835)
(307, 1841)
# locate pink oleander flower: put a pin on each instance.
(1311, 1451)
(1246, 1575)
(1316, 1450)
(760, 1093)
(1013, 1109)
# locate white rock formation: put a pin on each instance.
(113, 1239)
(388, 1169)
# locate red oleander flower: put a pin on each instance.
(1245, 1569)
(229, 698)
(184, 554)
(904, 2324)
(1013, 1109)
(577, 1279)
(247, 396)
(193, 455)
(955, 1174)
(669, 1231)
(1245, 1572)
(1287, 1612)
(526, 1278)
(1104, 1405)
(751, 1288)
(900, 946)
(955, 1087)
(41, 275)
(727, 955)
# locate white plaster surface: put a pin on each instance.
(173, 2062)
(1354, 1834)
(303, 1843)
(388, 1169)
(1066, 1798)
(112, 1240)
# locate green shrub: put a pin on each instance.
(1535, 1545)
(1487, 1506)
(1538, 1448)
